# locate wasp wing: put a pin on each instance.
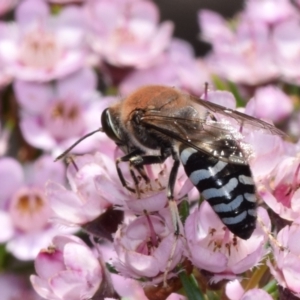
(220, 138)
(244, 121)
(213, 140)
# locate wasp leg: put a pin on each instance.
(141, 161)
(174, 212)
(170, 193)
(137, 161)
(127, 158)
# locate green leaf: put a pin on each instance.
(3, 255)
(111, 268)
(190, 286)
(184, 210)
(212, 295)
(230, 86)
(240, 102)
(56, 9)
(111, 91)
(219, 83)
(271, 287)
(292, 89)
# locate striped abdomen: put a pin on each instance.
(228, 187)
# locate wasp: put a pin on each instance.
(157, 122)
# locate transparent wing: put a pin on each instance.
(242, 119)
(211, 139)
(222, 138)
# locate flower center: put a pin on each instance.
(64, 119)
(60, 111)
(39, 49)
(284, 193)
(123, 35)
(29, 209)
(220, 242)
(151, 242)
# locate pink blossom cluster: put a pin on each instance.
(261, 46)
(62, 62)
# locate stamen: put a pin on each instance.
(205, 90)
(153, 236)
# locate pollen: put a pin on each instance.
(123, 35)
(212, 231)
(50, 250)
(29, 209)
(65, 112)
(222, 242)
(73, 113)
(57, 111)
(217, 245)
(30, 203)
(39, 49)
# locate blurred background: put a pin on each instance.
(184, 14)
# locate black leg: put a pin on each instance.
(126, 158)
(137, 161)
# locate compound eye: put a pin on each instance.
(108, 126)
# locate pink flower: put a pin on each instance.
(286, 49)
(5, 73)
(221, 253)
(88, 199)
(72, 103)
(40, 47)
(68, 269)
(267, 151)
(177, 67)
(214, 27)
(271, 12)
(270, 103)
(6, 5)
(281, 191)
(286, 265)
(125, 287)
(24, 209)
(144, 247)
(242, 56)
(153, 197)
(96, 188)
(235, 291)
(14, 286)
(126, 33)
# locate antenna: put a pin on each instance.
(76, 143)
